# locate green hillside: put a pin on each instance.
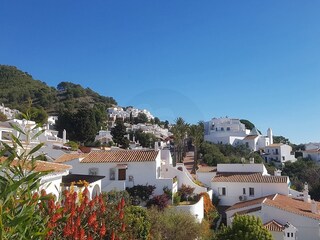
(17, 87)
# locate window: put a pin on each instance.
(288, 234)
(291, 234)
(222, 129)
(283, 158)
(112, 174)
(244, 191)
(251, 191)
(228, 128)
(93, 171)
(222, 191)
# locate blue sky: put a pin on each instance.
(257, 60)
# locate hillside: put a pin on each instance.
(16, 87)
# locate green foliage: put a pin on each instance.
(304, 171)
(176, 198)
(20, 215)
(245, 227)
(173, 224)
(141, 118)
(74, 146)
(179, 130)
(81, 126)
(3, 117)
(145, 139)
(249, 125)
(280, 139)
(226, 153)
(114, 197)
(17, 87)
(138, 223)
(118, 134)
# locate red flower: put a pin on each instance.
(123, 227)
(103, 230)
(92, 219)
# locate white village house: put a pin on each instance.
(232, 131)
(285, 217)
(278, 153)
(127, 168)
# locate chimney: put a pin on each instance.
(156, 146)
(306, 196)
(314, 207)
(64, 136)
(251, 160)
(277, 172)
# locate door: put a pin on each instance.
(122, 174)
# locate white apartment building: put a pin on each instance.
(232, 131)
(278, 153)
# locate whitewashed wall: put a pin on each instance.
(196, 209)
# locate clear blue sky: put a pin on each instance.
(257, 60)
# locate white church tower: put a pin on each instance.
(270, 135)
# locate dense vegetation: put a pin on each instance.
(17, 87)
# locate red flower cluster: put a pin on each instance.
(79, 218)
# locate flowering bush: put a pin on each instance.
(78, 217)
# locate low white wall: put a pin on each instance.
(206, 177)
(183, 177)
(196, 209)
(115, 185)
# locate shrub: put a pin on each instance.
(176, 199)
(141, 192)
(185, 192)
(159, 201)
(137, 222)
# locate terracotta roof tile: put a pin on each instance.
(248, 177)
(42, 166)
(249, 203)
(274, 145)
(250, 210)
(121, 156)
(312, 151)
(69, 157)
(296, 206)
(274, 226)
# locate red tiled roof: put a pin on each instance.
(312, 151)
(274, 145)
(250, 210)
(296, 206)
(121, 156)
(274, 226)
(69, 157)
(41, 166)
(248, 203)
(248, 177)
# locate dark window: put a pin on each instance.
(222, 129)
(228, 129)
(243, 191)
(251, 191)
(288, 234)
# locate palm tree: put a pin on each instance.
(196, 132)
(179, 130)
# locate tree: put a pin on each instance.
(249, 125)
(196, 133)
(157, 120)
(145, 139)
(118, 133)
(245, 227)
(280, 139)
(179, 130)
(141, 118)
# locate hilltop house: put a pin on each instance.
(313, 154)
(232, 131)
